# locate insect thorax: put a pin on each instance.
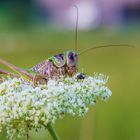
(57, 65)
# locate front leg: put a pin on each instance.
(39, 78)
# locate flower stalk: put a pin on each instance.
(52, 131)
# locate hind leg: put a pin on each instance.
(23, 73)
(1, 80)
(7, 73)
(38, 78)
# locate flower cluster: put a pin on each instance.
(24, 106)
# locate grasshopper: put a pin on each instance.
(63, 64)
(54, 67)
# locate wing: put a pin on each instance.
(50, 66)
(41, 67)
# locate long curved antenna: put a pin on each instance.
(76, 29)
(105, 46)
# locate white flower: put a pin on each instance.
(22, 104)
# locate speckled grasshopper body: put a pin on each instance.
(61, 64)
(64, 64)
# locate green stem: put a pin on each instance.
(52, 131)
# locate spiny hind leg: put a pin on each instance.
(10, 74)
(19, 71)
(7, 73)
(38, 78)
(1, 79)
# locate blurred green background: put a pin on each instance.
(24, 42)
(119, 118)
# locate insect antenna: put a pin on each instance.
(76, 28)
(105, 46)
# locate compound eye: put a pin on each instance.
(71, 57)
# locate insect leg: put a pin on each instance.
(7, 73)
(18, 70)
(39, 78)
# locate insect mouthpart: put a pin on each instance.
(81, 76)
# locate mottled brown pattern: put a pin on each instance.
(48, 69)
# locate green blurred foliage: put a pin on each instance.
(16, 14)
(117, 119)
